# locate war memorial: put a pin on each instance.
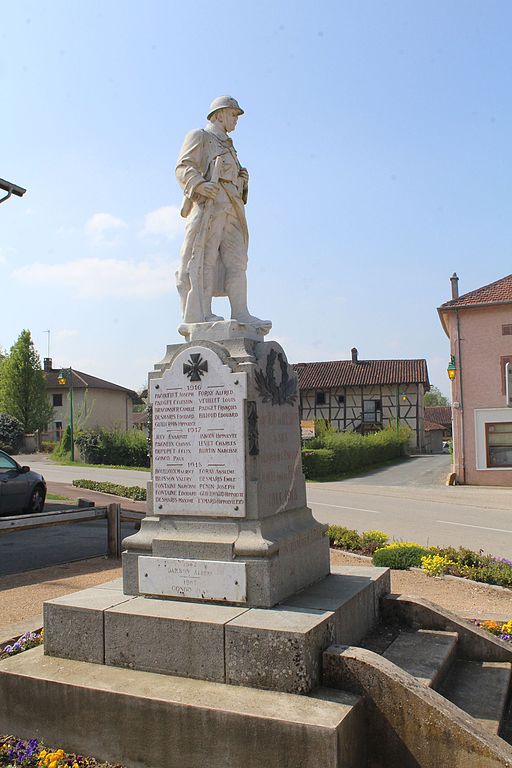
(230, 642)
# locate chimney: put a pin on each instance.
(47, 364)
(454, 280)
(354, 355)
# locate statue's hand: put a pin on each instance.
(244, 174)
(207, 189)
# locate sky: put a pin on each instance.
(377, 138)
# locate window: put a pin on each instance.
(320, 398)
(341, 399)
(506, 330)
(57, 400)
(6, 463)
(371, 411)
(499, 444)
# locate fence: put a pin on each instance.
(113, 514)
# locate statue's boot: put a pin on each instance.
(208, 279)
(236, 288)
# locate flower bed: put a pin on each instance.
(31, 753)
(434, 561)
(502, 631)
(23, 643)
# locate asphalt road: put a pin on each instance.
(410, 502)
(42, 547)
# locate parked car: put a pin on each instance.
(21, 490)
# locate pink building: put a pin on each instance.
(479, 326)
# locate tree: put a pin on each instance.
(435, 397)
(23, 387)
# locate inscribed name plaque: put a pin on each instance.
(199, 437)
(193, 579)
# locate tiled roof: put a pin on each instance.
(441, 414)
(345, 373)
(431, 426)
(499, 292)
(82, 380)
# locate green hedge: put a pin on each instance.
(336, 453)
(134, 492)
(99, 446)
(317, 463)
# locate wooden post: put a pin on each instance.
(114, 530)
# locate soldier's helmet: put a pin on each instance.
(224, 102)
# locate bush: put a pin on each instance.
(350, 451)
(11, 433)
(46, 446)
(372, 540)
(400, 555)
(134, 492)
(344, 538)
(128, 449)
(317, 463)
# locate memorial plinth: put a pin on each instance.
(227, 514)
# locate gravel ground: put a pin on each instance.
(22, 595)
(461, 596)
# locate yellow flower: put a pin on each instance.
(506, 629)
(53, 764)
(42, 754)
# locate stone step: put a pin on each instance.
(148, 720)
(425, 654)
(480, 688)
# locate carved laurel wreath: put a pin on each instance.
(270, 391)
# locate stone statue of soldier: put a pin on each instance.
(214, 252)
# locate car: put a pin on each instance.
(21, 490)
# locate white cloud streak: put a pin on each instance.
(164, 222)
(102, 227)
(99, 278)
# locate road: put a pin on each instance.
(408, 500)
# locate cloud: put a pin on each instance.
(165, 221)
(67, 333)
(102, 226)
(98, 278)
(6, 254)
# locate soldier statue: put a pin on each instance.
(214, 252)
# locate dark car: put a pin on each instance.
(21, 490)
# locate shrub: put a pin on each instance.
(317, 463)
(11, 433)
(351, 451)
(400, 555)
(344, 538)
(436, 565)
(100, 446)
(46, 446)
(134, 492)
(372, 540)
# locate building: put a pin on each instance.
(442, 416)
(479, 326)
(365, 395)
(96, 402)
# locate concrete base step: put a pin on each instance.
(424, 654)
(161, 721)
(480, 688)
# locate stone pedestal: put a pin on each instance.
(227, 515)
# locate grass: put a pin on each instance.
(57, 497)
(358, 472)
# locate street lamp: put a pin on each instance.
(66, 377)
(451, 370)
(11, 189)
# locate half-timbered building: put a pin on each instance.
(365, 395)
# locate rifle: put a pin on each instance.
(194, 309)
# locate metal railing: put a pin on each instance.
(112, 513)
